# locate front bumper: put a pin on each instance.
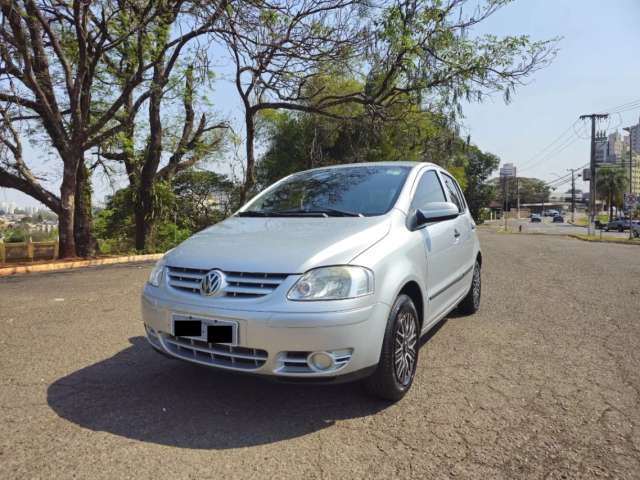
(276, 344)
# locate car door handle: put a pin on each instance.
(456, 233)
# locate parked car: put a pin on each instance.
(550, 213)
(558, 219)
(619, 224)
(635, 228)
(330, 274)
(535, 218)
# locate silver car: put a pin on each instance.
(328, 275)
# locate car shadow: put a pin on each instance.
(141, 395)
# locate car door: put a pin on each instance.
(464, 239)
(439, 242)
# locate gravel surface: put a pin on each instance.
(544, 382)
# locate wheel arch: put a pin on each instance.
(414, 292)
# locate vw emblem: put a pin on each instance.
(212, 283)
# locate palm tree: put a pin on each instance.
(611, 183)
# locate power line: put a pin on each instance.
(564, 177)
(550, 146)
(631, 105)
(560, 148)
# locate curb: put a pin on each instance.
(605, 240)
(53, 267)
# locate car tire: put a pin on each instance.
(621, 229)
(471, 302)
(396, 369)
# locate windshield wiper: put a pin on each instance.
(281, 213)
(252, 213)
(298, 212)
(325, 211)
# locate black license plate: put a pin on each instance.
(219, 334)
(193, 328)
(187, 328)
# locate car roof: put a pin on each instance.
(399, 163)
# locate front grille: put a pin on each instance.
(239, 284)
(216, 354)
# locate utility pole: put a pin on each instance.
(628, 129)
(506, 200)
(573, 192)
(592, 181)
(518, 194)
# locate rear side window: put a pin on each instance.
(454, 191)
(429, 190)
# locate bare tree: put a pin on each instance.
(52, 52)
(14, 172)
(277, 47)
(399, 52)
(198, 139)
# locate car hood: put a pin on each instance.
(279, 245)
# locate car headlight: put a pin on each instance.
(155, 277)
(333, 283)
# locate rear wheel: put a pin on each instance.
(399, 357)
(471, 302)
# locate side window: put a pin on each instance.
(454, 192)
(429, 190)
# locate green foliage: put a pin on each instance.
(438, 59)
(22, 234)
(166, 235)
(611, 183)
(15, 235)
(532, 190)
(193, 201)
(203, 198)
(478, 192)
(298, 141)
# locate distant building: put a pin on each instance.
(508, 170)
(615, 148)
(635, 137)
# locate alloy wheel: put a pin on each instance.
(476, 286)
(405, 345)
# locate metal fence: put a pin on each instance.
(28, 251)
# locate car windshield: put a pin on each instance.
(345, 191)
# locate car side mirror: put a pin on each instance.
(436, 212)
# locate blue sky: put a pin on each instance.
(598, 66)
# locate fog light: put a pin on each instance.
(320, 361)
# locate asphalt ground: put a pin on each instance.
(543, 382)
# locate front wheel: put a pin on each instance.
(399, 356)
(471, 302)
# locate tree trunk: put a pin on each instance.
(142, 214)
(83, 234)
(67, 212)
(610, 207)
(249, 180)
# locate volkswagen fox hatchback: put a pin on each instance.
(328, 275)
